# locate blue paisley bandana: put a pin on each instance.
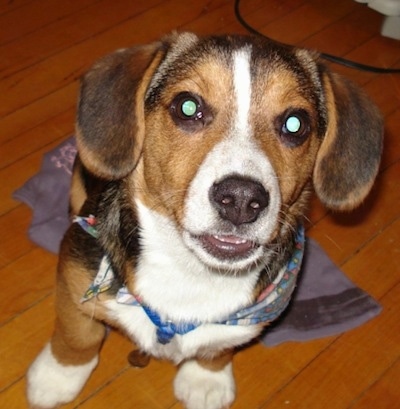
(269, 305)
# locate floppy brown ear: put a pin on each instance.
(349, 156)
(110, 122)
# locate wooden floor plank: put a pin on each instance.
(348, 366)
(6, 5)
(25, 86)
(256, 12)
(38, 112)
(385, 52)
(21, 340)
(15, 243)
(378, 258)
(58, 127)
(29, 20)
(341, 235)
(388, 101)
(219, 18)
(383, 393)
(14, 396)
(269, 12)
(29, 278)
(392, 141)
(347, 33)
(87, 21)
(321, 14)
(150, 388)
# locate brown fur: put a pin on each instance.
(77, 337)
(346, 164)
(78, 192)
(217, 363)
(130, 146)
(164, 164)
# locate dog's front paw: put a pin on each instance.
(201, 388)
(50, 384)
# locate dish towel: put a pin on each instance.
(325, 301)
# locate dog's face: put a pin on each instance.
(231, 139)
(224, 135)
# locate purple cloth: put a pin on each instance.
(325, 301)
(47, 194)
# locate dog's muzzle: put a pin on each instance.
(239, 201)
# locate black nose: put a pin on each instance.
(239, 200)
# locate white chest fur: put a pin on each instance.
(174, 283)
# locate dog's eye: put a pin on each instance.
(189, 111)
(292, 124)
(295, 126)
(187, 106)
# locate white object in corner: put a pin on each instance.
(386, 7)
(390, 9)
(391, 27)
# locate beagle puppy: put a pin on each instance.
(197, 158)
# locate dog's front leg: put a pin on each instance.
(62, 368)
(206, 384)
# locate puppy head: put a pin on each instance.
(230, 131)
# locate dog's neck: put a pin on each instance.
(269, 305)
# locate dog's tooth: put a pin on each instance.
(230, 239)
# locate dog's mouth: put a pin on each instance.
(227, 246)
(225, 251)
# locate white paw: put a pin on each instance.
(200, 388)
(50, 383)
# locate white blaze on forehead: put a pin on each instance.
(237, 153)
(242, 87)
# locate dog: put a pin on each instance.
(196, 160)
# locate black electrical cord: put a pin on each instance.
(329, 57)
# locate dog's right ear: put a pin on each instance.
(110, 121)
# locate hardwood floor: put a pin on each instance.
(45, 45)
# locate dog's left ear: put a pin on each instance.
(110, 120)
(349, 156)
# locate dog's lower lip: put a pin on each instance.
(227, 246)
